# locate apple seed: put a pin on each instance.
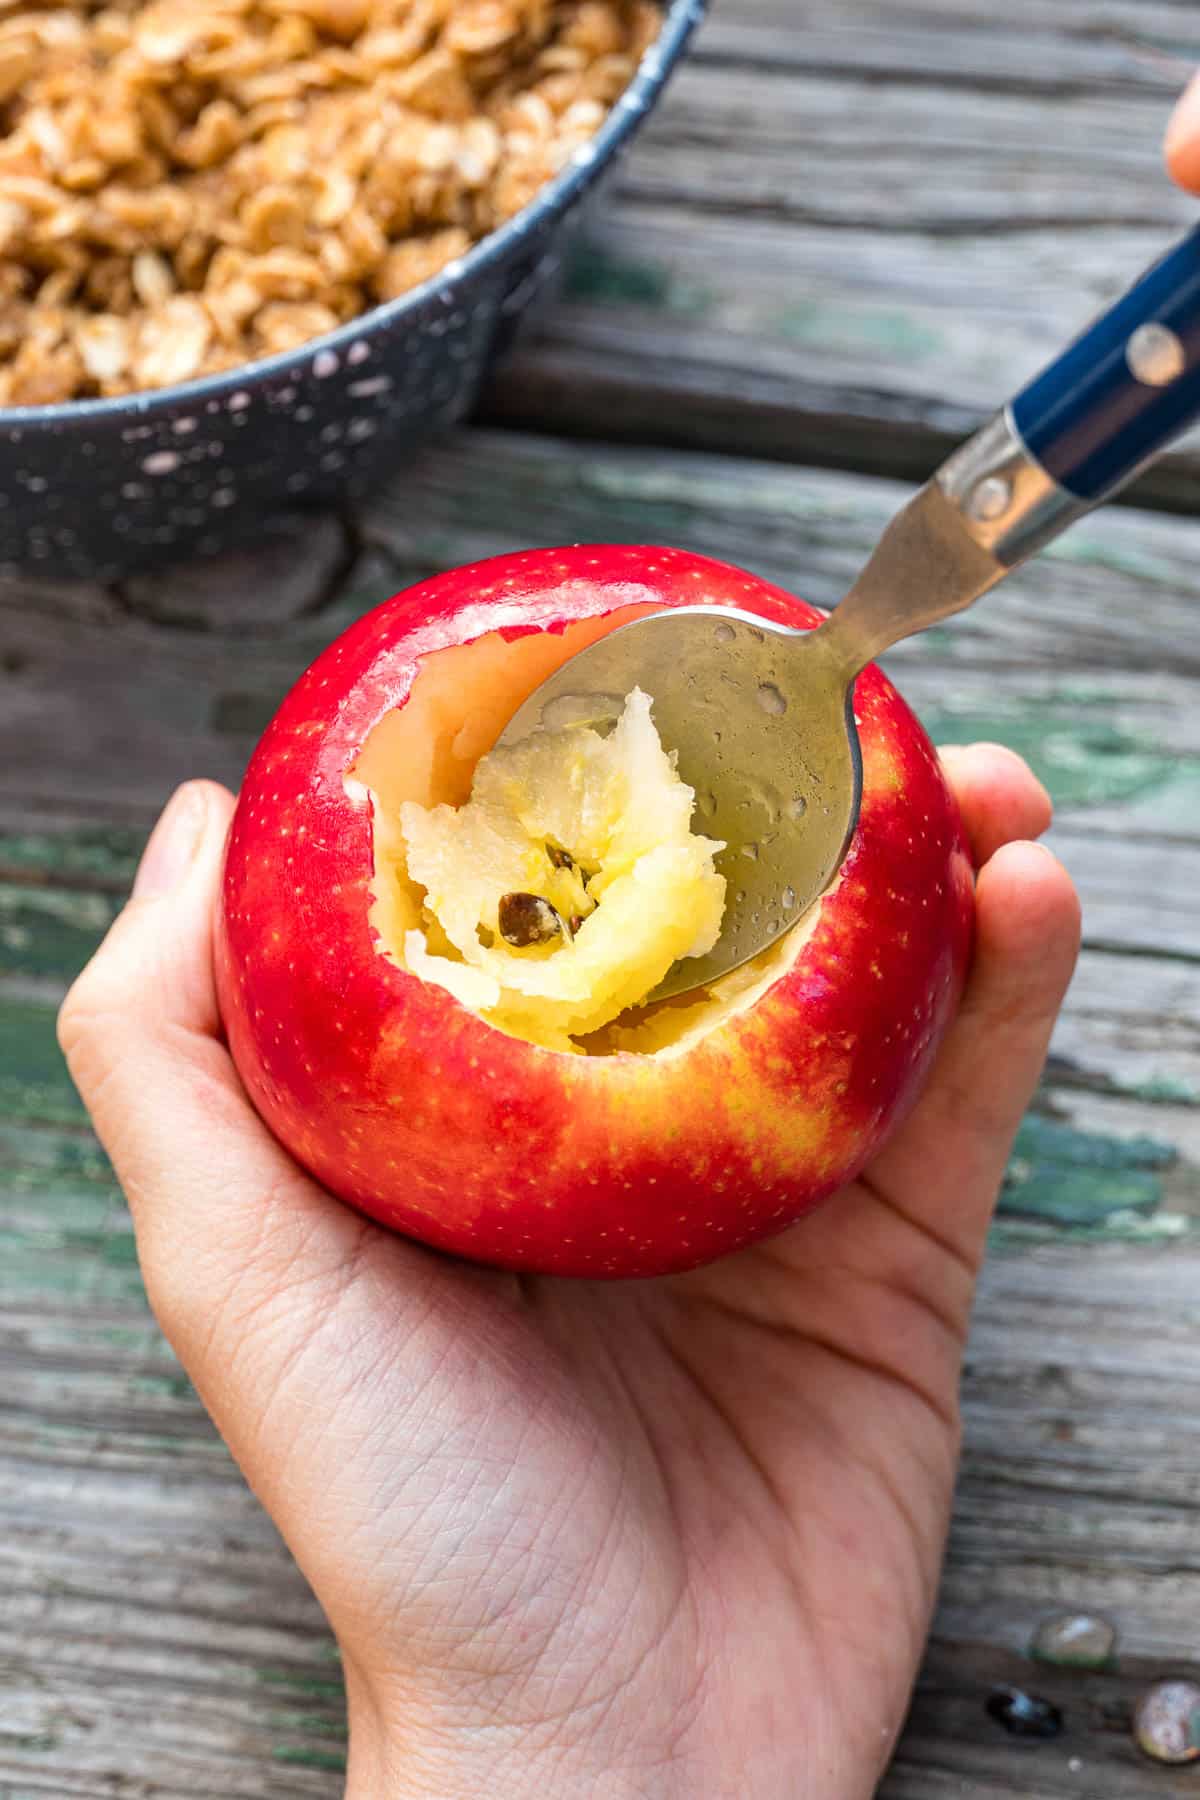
(527, 919)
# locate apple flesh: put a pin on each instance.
(585, 842)
(689, 1129)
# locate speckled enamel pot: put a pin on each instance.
(100, 487)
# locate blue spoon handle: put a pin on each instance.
(1124, 390)
(1080, 431)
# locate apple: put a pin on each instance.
(671, 1137)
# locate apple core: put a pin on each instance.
(586, 842)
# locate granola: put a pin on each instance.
(188, 185)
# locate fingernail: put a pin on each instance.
(173, 843)
(1184, 127)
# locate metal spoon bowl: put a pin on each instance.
(765, 738)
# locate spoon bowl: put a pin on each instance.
(763, 734)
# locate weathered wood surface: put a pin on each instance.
(160, 1625)
(852, 231)
(157, 1641)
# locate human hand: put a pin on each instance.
(1183, 139)
(662, 1538)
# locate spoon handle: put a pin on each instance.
(1125, 389)
(1077, 434)
(1083, 428)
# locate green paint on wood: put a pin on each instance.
(64, 1227)
(309, 1759)
(853, 329)
(1121, 1228)
(51, 932)
(1052, 1141)
(107, 854)
(168, 1387)
(70, 1214)
(30, 1274)
(1162, 1090)
(1072, 1197)
(1061, 1176)
(45, 1161)
(320, 1724)
(118, 1248)
(1082, 762)
(301, 1682)
(43, 1258)
(599, 277)
(34, 1083)
(1086, 551)
(29, 1742)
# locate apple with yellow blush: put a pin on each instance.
(427, 1001)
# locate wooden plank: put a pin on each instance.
(161, 1636)
(1087, 657)
(849, 240)
(1060, 664)
(1078, 1490)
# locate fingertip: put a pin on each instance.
(1000, 797)
(219, 804)
(999, 766)
(989, 1065)
(1182, 148)
(193, 822)
(217, 795)
(1028, 915)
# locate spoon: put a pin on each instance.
(761, 716)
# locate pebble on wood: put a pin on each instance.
(1166, 1722)
(1074, 1641)
(1024, 1715)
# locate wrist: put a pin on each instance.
(414, 1751)
(399, 1765)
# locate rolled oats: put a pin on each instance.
(186, 185)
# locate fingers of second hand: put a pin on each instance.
(945, 1168)
(1000, 797)
(1183, 138)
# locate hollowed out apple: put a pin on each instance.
(672, 1135)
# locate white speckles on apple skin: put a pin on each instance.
(768, 1198)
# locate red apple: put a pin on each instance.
(414, 1109)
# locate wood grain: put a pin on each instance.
(850, 241)
(846, 236)
(162, 1644)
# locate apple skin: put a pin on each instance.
(412, 1109)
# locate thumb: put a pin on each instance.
(220, 1211)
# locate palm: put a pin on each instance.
(692, 1525)
(738, 1479)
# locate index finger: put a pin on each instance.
(1001, 799)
